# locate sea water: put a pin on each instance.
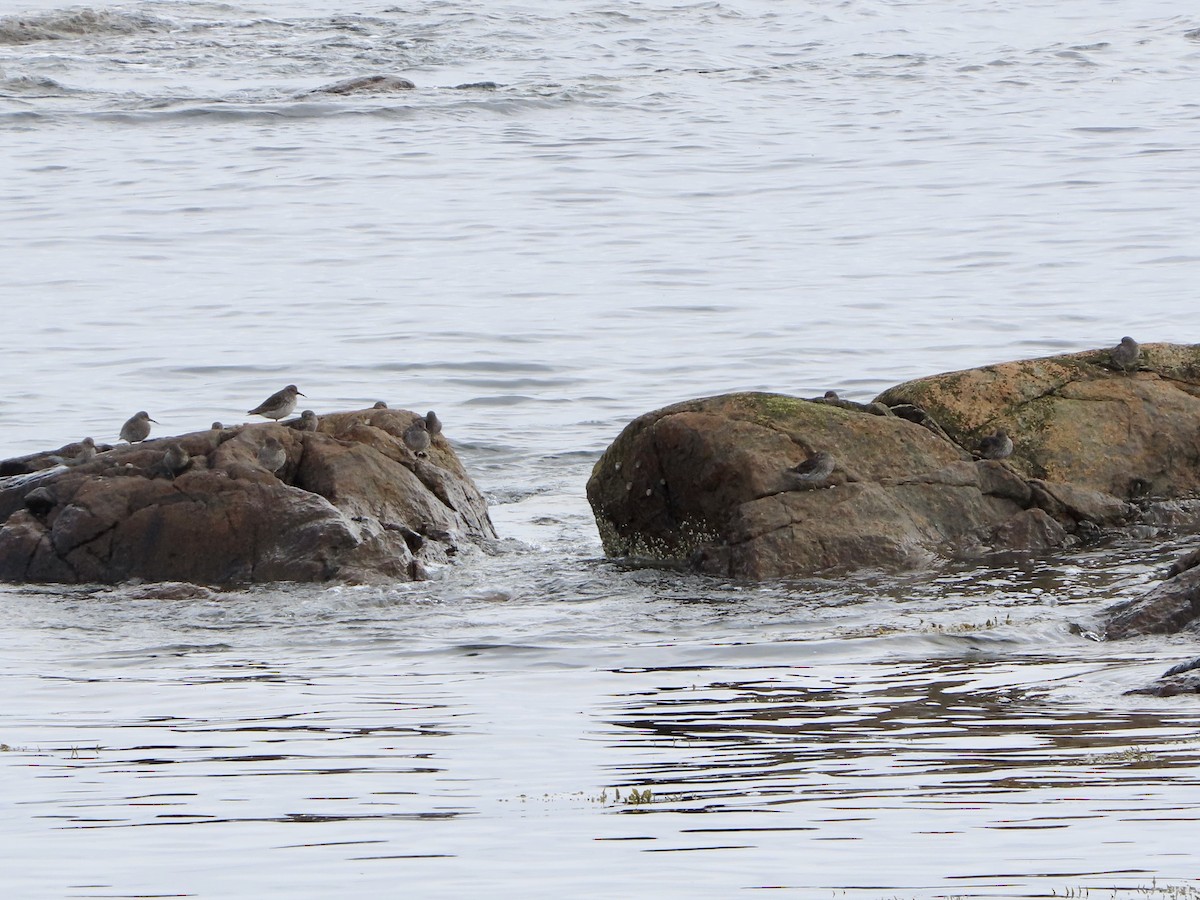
(584, 211)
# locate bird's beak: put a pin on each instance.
(155, 421)
(301, 393)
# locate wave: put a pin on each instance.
(76, 23)
(32, 86)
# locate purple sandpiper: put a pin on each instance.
(416, 436)
(137, 428)
(279, 404)
(175, 460)
(85, 454)
(996, 446)
(271, 455)
(815, 469)
(1126, 355)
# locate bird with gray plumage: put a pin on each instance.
(996, 446)
(309, 421)
(831, 397)
(379, 404)
(433, 424)
(279, 405)
(271, 455)
(1126, 355)
(85, 452)
(174, 461)
(814, 470)
(416, 436)
(137, 427)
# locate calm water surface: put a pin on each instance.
(648, 202)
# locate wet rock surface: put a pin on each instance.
(349, 502)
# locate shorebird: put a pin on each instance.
(379, 404)
(416, 436)
(1126, 355)
(217, 426)
(175, 460)
(832, 397)
(279, 404)
(85, 454)
(271, 455)
(815, 469)
(309, 421)
(433, 424)
(996, 446)
(137, 428)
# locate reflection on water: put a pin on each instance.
(861, 736)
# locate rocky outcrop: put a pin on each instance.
(350, 502)
(714, 483)
(1165, 609)
(707, 484)
(1080, 419)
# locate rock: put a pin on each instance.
(1097, 448)
(1189, 560)
(351, 494)
(366, 84)
(1072, 503)
(1171, 686)
(704, 483)
(1075, 419)
(1165, 609)
(1180, 679)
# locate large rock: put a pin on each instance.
(1078, 419)
(705, 483)
(351, 502)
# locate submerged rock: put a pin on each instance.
(347, 502)
(366, 84)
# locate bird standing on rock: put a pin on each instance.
(175, 460)
(996, 446)
(1126, 355)
(416, 436)
(271, 455)
(433, 424)
(137, 428)
(85, 454)
(309, 421)
(814, 470)
(279, 404)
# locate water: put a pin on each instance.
(654, 202)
